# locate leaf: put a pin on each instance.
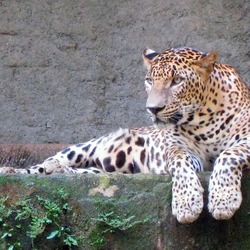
(53, 234)
(70, 241)
(4, 235)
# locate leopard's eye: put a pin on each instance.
(148, 81)
(177, 80)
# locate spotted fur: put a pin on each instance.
(200, 110)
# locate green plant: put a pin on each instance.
(36, 217)
(111, 223)
(64, 232)
(114, 222)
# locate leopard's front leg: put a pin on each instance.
(187, 192)
(225, 182)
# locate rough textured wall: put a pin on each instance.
(71, 70)
(142, 196)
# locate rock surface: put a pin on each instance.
(72, 70)
(145, 197)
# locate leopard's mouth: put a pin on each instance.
(173, 119)
(158, 123)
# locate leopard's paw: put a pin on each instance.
(51, 166)
(187, 204)
(224, 201)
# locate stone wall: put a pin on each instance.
(100, 202)
(71, 70)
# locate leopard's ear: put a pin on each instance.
(148, 56)
(206, 64)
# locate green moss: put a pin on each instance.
(104, 181)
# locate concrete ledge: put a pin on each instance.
(147, 198)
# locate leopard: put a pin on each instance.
(200, 110)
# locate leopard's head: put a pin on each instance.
(175, 82)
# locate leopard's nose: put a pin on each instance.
(155, 110)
